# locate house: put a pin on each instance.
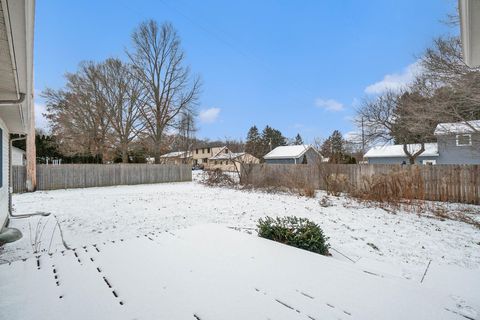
(19, 157)
(201, 155)
(230, 161)
(457, 143)
(176, 157)
(301, 154)
(394, 154)
(16, 93)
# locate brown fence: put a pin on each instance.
(454, 183)
(66, 176)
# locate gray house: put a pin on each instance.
(301, 154)
(457, 143)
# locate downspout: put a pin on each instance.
(10, 186)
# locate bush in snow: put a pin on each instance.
(297, 232)
(217, 177)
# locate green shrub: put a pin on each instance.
(297, 232)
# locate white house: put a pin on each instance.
(16, 90)
(298, 154)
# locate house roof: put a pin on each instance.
(227, 156)
(396, 150)
(176, 154)
(457, 127)
(287, 152)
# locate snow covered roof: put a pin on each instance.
(457, 127)
(212, 272)
(396, 150)
(176, 154)
(287, 152)
(227, 156)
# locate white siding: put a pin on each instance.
(18, 157)
(5, 174)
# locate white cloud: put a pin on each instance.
(209, 115)
(329, 104)
(40, 121)
(395, 81)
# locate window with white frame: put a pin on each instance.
(429, 162)
(464, 140)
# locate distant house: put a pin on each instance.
(301, 154)
(230, 161)
(201, 155)
(176, 157)
(19, 157)
(457, 143)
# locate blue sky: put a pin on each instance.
(299, 66)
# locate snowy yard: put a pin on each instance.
(399, 245)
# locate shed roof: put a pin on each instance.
(288, 152)
(396, 150)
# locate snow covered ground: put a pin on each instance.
(211, 273)
(401, 244)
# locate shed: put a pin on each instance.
(298, 154)
(394, 154)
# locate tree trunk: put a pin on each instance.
(124, 154)
(412, 157)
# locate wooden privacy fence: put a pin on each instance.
(454, 183)
(66, 176)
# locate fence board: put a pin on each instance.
(453, 183)
(66, 176)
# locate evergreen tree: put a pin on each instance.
(272, 138)
(254, 143)
(298, 140)
(334, 148)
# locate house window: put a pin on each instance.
(196, 151)
(208, 150)
(216, 162)
(464, 140)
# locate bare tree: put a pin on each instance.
(453, 88)
(159, 64)
(378, 116)
(78, 115)
(123, 98)
(186, 133)
(398, 117)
